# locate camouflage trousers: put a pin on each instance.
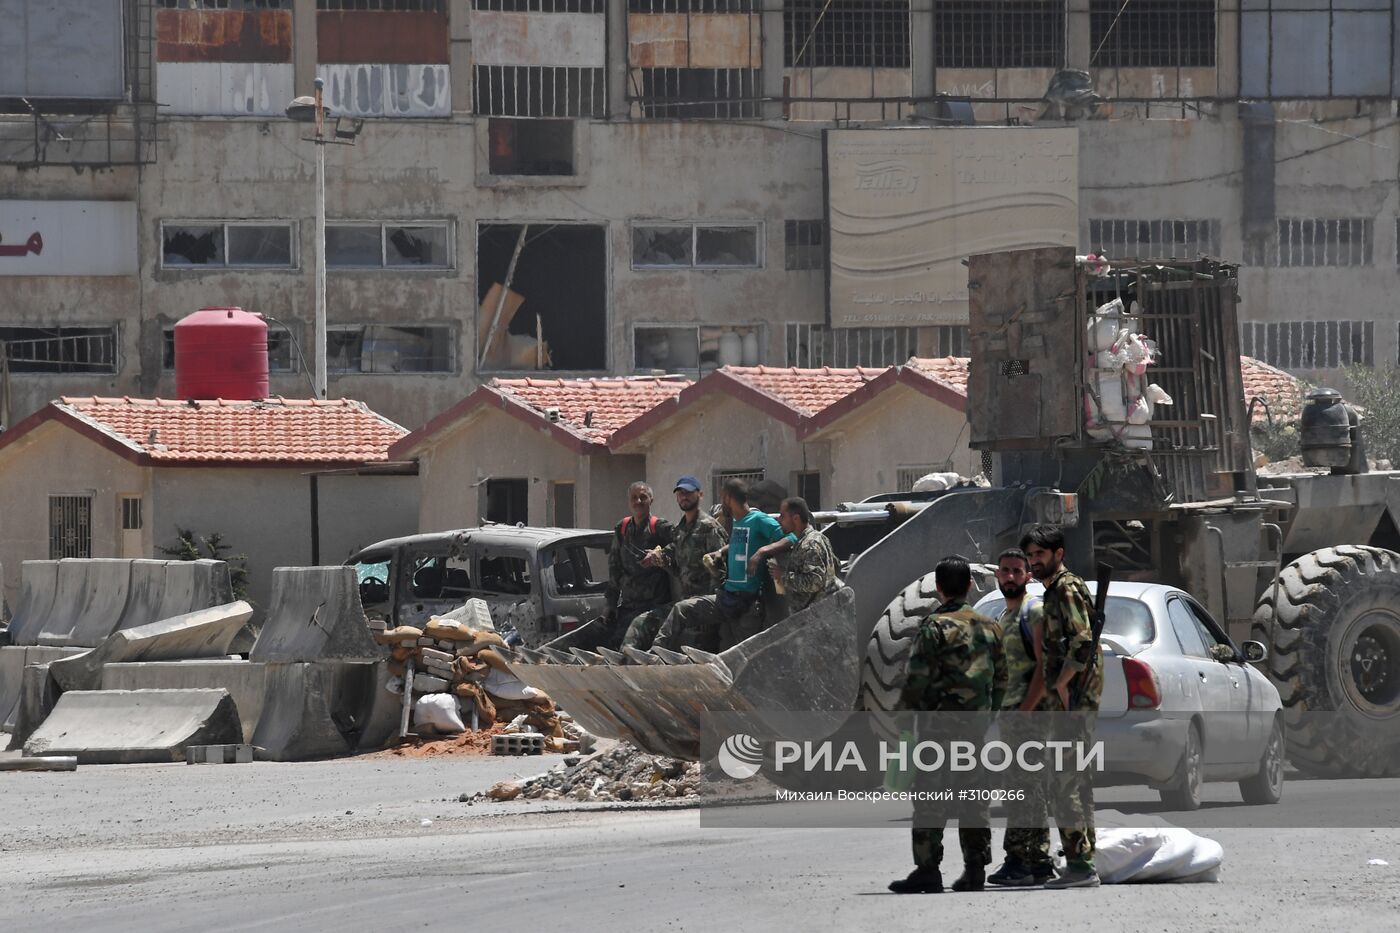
(627, 616)
(1071, 796)
(698, 622)
(1027, 820)
(931, 818)
(641, 634)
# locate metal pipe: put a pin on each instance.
(321, 337)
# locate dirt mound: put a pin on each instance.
(622, 773)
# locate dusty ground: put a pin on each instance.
(343, 845)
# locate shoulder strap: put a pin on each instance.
(622, 528)
(651, 525)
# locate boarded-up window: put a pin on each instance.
(846, 33)
(699, 93)
(1152, 33)
(1309, 344)
(1318, 48)
(998, 33)
(70, 526)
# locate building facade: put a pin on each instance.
(611, 187)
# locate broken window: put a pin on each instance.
(812, 346)
(70, 527)
(577, 569)
(507, 501)
(382, 348)
(1309, 344)
(531, 147)
(425, 245)
(704, 246)
(1152, 33)
(250, 245)
(805, 243)
(695, 349)
(60, 349)
(998, 33)
(279, 350)
(546, 308)
(539, 91)
(846, 33)
(1155, 239)
(700, 93)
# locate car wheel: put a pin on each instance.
(1185, 790)
(1267, 786)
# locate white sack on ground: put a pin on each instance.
(1156, 854)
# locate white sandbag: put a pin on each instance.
(1156, 854)
(439, 711)
(508, 687)
(1139, 411)
(1111, 407)
(1136, 437)
(1156, 394)
(1104, 325)
(936, 482)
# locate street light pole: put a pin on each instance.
(320, 324)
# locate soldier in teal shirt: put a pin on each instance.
(735, 611)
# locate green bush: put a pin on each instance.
(192, 546)
(1376, 391)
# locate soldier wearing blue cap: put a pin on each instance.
(696, 535)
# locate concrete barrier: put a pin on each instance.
(206, 633)
(323, 709)
(245, 681)
(38, 695)
(191, 585)
(144, 594)
(314, 615)
(13, 660)
(89, 601)
(132, 726)
(38, 582)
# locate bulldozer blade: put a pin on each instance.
(808, 662)
(559, 657)
(612, 657)
(669, 656)
(700, 657)
(587, 657)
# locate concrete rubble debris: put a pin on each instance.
(517, 743)
(135, 726)
(622, 773)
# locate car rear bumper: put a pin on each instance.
(1142, 745)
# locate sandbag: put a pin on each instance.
(472, 693)
(506, 686)
(1156, 854)
(438, 711)
(482, 641)
(448, 630)
(402, 635)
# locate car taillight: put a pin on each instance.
(1142, 685)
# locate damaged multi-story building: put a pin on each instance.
(608, 187)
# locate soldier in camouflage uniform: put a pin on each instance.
(697, 535)
(956, 665)
(634, 586)
(802, 560)
(1027, 841)
(1072, 668)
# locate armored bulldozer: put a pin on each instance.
(1113, 404)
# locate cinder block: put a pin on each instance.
(218, 754)
(518, 743)
(432, 654)
(425, 642)
(426, 683)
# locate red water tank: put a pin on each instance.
(221, 353)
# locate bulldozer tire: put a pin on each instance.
(1334, 647)
(886, 664)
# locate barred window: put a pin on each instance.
(691, 6)
(541, 6)
(394, 6)
(720, 477)
(224, 4)
(1152, 33)
(998, 33)
(1309, 344)
(950, 340)
(1154, 239)
(539, 91)
(846, 33)
(806, 244)
(70, 526)
(699, 93)
(811, 346)
(1345, 241)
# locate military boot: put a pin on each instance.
(1016, 874)
(973, 878)
(920, 881)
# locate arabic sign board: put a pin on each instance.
(68, 238)
(905, 207)
(61, 49)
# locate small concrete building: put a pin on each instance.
(909, 421)
(532, 451)
(743, 421)
(283, 481)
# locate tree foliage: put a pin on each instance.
(1376, 391)
(192, 546)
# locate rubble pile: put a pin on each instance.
(621, 773)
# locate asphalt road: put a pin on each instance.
(342, 845)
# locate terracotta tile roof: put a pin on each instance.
(1282, 391)
(592, 408)
(805, 391)
(949, 369)
(273, 430)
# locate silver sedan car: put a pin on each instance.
(1180, 704)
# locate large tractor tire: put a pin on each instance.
(1334, 654)
(886, 664)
